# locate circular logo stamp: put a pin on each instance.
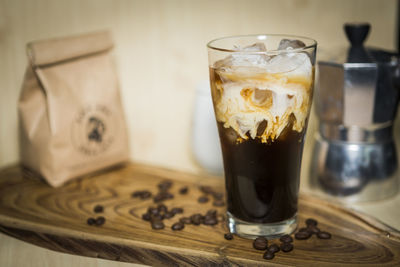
(93, 130)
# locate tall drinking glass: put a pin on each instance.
(262, 91)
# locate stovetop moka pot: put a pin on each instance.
(356, 102)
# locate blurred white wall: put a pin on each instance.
(161, 54)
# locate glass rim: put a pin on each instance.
(273, 51)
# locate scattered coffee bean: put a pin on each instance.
(162, 196)
(228, 236)
(218, 195)
(146, 216)
(185, 220)
(268, 255)
(183, 190)
(100, 220)
(157, 224)
(260, 243)
(98, 209)
(91, 221)
(162, 208)
(218, 203)
(324, 235)
(286, 239)
(177, 226)
(206, 189)
(164, 185)
(311, 221)
(286, 247)
(212, 212)
(273, 248)
(168, 215)
(203, 199)
(302, 235)
(177, 210)
(210, 220)
(152, 210)
(313, 229)
(196, 219)
(145, 195)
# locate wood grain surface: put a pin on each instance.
(56, 219)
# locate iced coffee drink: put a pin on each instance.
(262, 91)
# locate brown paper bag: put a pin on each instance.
(70, 111)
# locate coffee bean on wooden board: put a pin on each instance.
(206, 189)
(273, 248)
(183, 190)
(162, 208)
(268, 255)
(177, 226)
(169, 215)
(260, 243)
(210, 220)
(217, 195)
(203, 199)
(196, 219)
(313, 229)
(98, 209)
(228, 236)
(324, 235)
(152, 210)
(146, 217)
(164, 185)
(311, 221)
(212, 212)
(286, 239)
(218, 203)
(286, 247)
(100, 220)
(157, 224)
(91, 221)
(302, 235)
(177, 210)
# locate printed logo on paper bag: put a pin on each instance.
(93, 130)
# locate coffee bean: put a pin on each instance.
(177, 226)
(210, 220)
(228, 236)
(164, 185)
(203, 199)
(145, 195)
(98, 209)
(260, 243)
(162, 208)
(91, 221)
(206, 189)
(168, 215)
(324, 235)
(311, 221)
(302, 235)
(286, 247)
(162, 196)
(185, 220)
(183, 190)
(152, 210)
(313, 229)
(218, 195)
(268, 255)
(177, 210)
(196, 219)
(218, 203)
(273, 248)
(100, 220)
(286, 239)
(137, 194)
(157, 224)
(146, 217)
(212, 212)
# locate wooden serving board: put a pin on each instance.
(55, 219)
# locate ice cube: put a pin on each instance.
(242, 58)
(290, 44)
(289, 62)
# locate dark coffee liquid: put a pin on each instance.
(262, 179)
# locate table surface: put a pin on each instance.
(55, 219)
